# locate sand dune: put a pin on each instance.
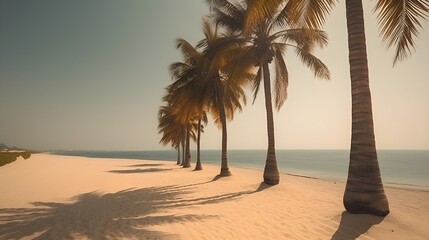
(59, 197)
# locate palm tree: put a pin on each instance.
(186, 125)
(178, 97)
(221, 92)
(205, 86)
(171, 129)
(202, 118)
(399, 21)
(186, 75)
(266, 44)
(364, 191)
(175, 126)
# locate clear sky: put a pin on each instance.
(90, 75)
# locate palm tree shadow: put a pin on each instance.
(146, 165)
(222, 197)
(217, 177)
(139, 170)
(353, 225)
(263, 186)
(125, 214)
(260, 188)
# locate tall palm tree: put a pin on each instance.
(206, 86)
(221, 92)
(399, 21)
(186, 74)
(179, 94)
(266, 44)
(364, 191)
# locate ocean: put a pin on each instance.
(405, 168)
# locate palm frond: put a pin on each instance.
(303, 37)
(228, 15)
(310, 13)
(258, 11)
(399, 21)
(316, 65)
(203, 117)
(169, 127)
(281, 79)
(232, 23)
(213, 109)
(188, 51)
(232, 9)
(233, 98)
(256, 84)
(239, 64)
(219, 54)
(177, 68)
(283, 19)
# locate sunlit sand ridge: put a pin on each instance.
(58, 197)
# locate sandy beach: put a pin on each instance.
(61, 197)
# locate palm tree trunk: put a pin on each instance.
(183, 151)
(271, 172)
(188, 148)
(187, 160)
(364, 191)
(224, 170)
(178, 154)
(198, 165)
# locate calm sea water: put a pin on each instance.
(403, 167)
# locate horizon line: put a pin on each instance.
(213, 149)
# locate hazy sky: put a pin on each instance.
(90, 75)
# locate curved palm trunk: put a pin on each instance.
(224, 170)
(198, 165)
(187, 161)
(364, 191)
(271, 172)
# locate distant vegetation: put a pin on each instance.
(8, 155)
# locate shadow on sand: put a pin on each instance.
(139, 170)
(150, 168)
(146, 165)
(125, 214)
(354, 225)
(261, 187)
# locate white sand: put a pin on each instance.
(59, 197)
